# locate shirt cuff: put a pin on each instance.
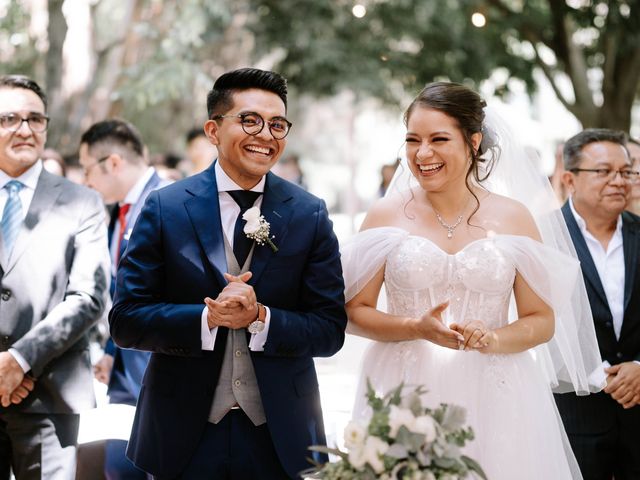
(207, 335)
(20, 359)
(256, 344)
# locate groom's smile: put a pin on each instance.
(246, 157)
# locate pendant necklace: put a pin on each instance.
(450, 228)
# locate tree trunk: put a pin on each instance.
(56, 32)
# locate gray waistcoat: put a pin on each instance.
(237, 384)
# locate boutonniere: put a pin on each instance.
(257, 228)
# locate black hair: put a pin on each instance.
(114, 132)
(220, 97)
(194, 133)
(572, 151)
(24, 82)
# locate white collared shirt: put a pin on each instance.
(610, 266)
(132, 197)
(29, 179)
(229, 211)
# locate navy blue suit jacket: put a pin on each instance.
(128, 365)
(175, 259)
(598, 413)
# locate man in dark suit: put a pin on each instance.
(231, 389)
(55, 285)
(604, 428)
(114, 160)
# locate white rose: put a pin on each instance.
(428, 476)
(399, 417)
(356, 457)
(373, 450)
(253, 214)
(252, 226)
(425, 425)
(354, 435)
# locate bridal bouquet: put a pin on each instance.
(403, 440)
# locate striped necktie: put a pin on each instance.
(11, 216)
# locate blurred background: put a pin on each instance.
(353, 65)
(551, 67)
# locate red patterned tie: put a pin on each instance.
(122, 220)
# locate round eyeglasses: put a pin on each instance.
(12, 121)
(252, 123)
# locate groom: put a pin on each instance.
(231, 389)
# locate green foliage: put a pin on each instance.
(397, 46)
(18, 53)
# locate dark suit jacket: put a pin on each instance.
(597, 413)
(54, 288)
(128, 365)
(175, 259)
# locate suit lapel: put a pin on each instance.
(588, 267)
(136, 208)
(277, 211)
(203, 209)
(48, 189)
(630, 247)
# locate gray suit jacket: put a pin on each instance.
(53, 289)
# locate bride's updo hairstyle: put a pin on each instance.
(466, 107)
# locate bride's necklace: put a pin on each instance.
(450, 228)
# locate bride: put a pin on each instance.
(452, 245)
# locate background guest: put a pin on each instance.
(113, 157)
(55, 281)
(604, 428)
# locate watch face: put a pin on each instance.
(256, 326)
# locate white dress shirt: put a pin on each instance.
(133, 196)
(30, 180)
(229, 211)
(610, 266)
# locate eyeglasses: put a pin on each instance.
(609, 174)
(252, 124)
(87, 170)
(13, 122)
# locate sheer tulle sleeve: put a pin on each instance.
(365, 253)
(571, 360)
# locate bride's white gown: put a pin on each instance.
(519, 434)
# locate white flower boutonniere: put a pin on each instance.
(257, 228)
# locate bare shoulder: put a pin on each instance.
(511, 216)
(384, 212)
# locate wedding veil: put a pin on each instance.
(571, 360)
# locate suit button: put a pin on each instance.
(6, 294)
(237, 383)
(6, 340)
(609, 324)
(238, 353)
(619, 355)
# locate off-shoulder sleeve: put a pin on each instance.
(364, 254)
(571, 359)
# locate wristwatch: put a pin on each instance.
(258, 324)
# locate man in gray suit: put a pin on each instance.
(54, 280)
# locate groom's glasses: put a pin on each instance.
(253, 123)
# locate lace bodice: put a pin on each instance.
(477, 281)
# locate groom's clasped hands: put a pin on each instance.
(236, 306)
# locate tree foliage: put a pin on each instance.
(152, 61)
(591, 47)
